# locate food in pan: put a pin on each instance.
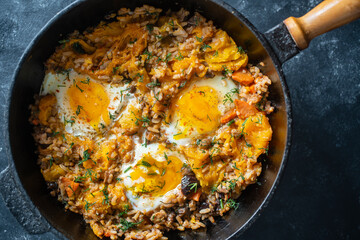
(149, 122)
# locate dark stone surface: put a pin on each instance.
(319, 194)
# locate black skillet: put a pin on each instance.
(23, 187)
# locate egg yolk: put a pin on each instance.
(157, 177)
(197, 110)
(89, 102)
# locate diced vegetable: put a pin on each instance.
(244, 110)
(45, 106)
(243, 76)
(53, 173)
(196, 196)
(70, 186)
(230, 115)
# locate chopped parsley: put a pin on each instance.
(140, 77)
(179, 57)
(89, 173)
(106, 195)
(240, 50)
(71, 145)
(199, 39)
(266, 150)
(148, 54)
(86, 156)
(145, 163)
(261, 103)
(87, 81)
(112, 117)
(161, 186)
(126, 170)
(194, 186)
(51, 161)
(145, 143)
(167, 57)
(167, 159)
(142, 119)
(221, 204)
(150, 27)
(226, 71)
(115, 70)
(133, 41)
(204, 47)
(79, 179)
(88, 205)
(71, 121)
(126, 225)
(228, 96)
(126, 209)
(230, 122)
(232, 204)
(153, 84)
(79, 109)
(79, 88)
(182, 84)
(235, 167)
(63, 41)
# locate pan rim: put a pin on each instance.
(231, 10)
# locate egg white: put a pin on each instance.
(58, 84)
(144, 202)
(223, 86)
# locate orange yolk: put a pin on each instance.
(198, 110)
(89, 101)
(159, 177)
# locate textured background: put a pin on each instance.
(319, 193)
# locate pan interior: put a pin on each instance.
(87, 13)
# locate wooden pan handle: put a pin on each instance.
(324, 17)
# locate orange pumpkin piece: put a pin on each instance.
(243, 76)
(45, 107)
(70, 186)
(244, 110)
(196, 196)
(227, 117)
(252, 88)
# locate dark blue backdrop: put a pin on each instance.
(319, 194)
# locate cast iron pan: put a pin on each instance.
(23, 187)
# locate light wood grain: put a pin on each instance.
(326, 16)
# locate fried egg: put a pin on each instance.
(153, 177)
(198, 109)
(86, 106)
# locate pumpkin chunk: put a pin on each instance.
(243, 76)
(244, 110)
(230, 115)
(70, 186)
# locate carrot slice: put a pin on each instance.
(244, 110)
(243, 76)
(227, 117)
(70, 186)
(196, 196)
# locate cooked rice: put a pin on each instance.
(160, 54)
